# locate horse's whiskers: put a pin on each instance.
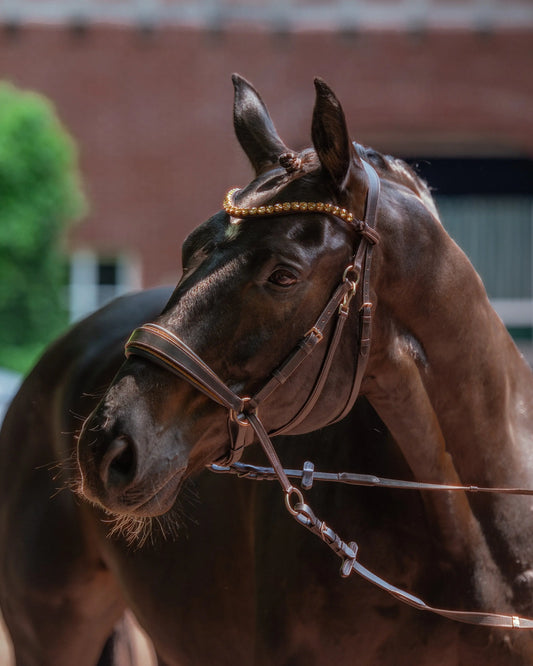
(134, 530)
(96, 395)
(77, 416)
(137, 531)
(64, 471)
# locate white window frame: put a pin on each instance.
(86, 294)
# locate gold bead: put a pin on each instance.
(286, 206)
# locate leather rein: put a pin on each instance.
(161, 346)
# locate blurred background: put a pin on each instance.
(130, 119)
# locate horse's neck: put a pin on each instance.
(444, 368)
(482, 392)
(456, 395)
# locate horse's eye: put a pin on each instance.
(283, 277)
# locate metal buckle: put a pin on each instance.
(345, 305)
(316, 332)
(240, 418)
(349, 268)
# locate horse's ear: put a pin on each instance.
(254, 127)
(330, 136)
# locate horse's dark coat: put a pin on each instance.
(243, 584)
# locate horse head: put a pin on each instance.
(255, 278)
(259, 278)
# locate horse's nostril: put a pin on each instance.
(119, 463)
(124, 458)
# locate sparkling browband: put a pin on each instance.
(283, 208)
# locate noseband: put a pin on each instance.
(162, 347)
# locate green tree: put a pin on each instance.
(40, 194)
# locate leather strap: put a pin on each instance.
(308, 475)
(363, 267)
(315, 394)
(159, 345)
(312, 338)
(469, 617)
(348, 553)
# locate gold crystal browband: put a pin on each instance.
(284, 208)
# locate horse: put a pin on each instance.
(324, 313)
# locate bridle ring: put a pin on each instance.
(288, 494)
(353, 287)
(241, 418)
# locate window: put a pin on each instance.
(496, 234)
(96, 280)
(486, 205)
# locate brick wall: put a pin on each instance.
(151, 111)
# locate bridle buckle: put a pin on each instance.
(353, 284)
(316, 332)
(241, 417)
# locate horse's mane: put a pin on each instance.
(399, 171)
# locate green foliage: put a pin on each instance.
(40, 194)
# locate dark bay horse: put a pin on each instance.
(214, 568)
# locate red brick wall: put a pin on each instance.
(152, 115)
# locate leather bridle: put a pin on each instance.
(161, 346)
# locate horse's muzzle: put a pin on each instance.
(117, 475)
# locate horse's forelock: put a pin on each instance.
(276, 180)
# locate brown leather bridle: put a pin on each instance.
(162, 347)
